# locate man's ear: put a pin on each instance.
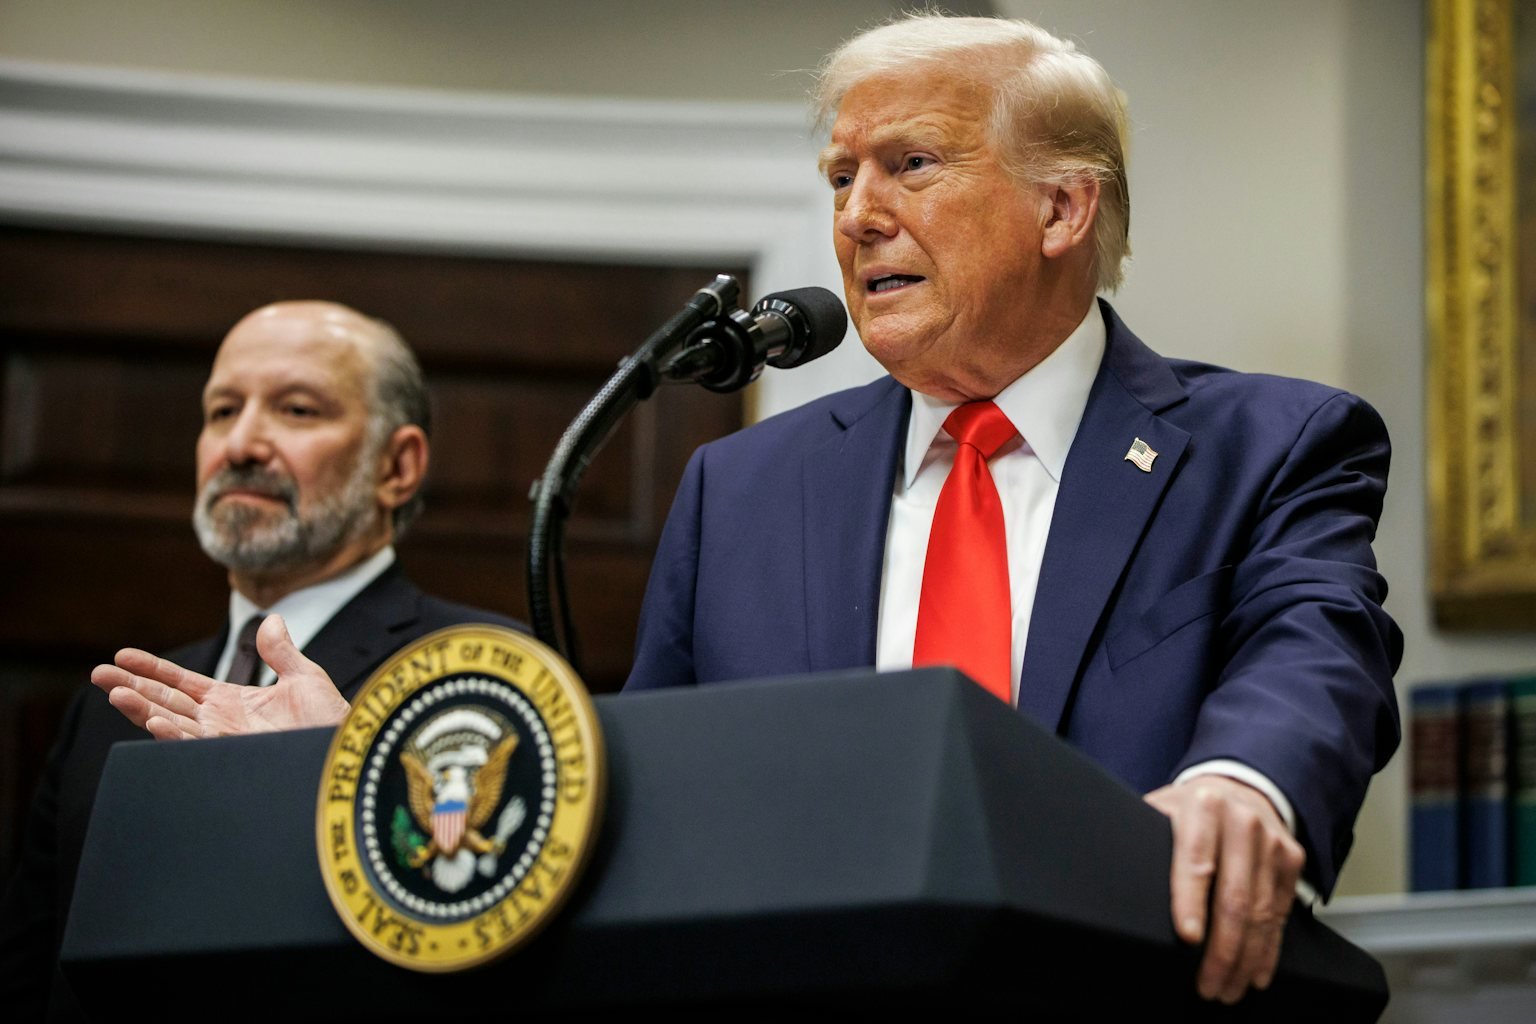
(1069, 223)
(403, 466)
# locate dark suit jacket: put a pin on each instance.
(1224, 605)
(385, 616)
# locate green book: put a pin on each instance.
(1522, 790)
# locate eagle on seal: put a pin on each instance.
(455, 802)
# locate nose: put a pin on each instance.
(248, 440)
(867, 211)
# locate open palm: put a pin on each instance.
(173, 703)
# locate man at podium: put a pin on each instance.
(1168, 564)
(313, 450)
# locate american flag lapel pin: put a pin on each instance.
(1141, 455)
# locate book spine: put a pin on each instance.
(1523, 781)
(1485, 780)
(1434, 804)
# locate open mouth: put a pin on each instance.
(890, 283)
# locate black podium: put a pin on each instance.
(853, 841)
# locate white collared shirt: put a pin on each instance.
(305, 612)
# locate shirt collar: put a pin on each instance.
(306, 611)
(1046, 403)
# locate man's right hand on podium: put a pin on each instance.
(1234, 872)
(173, 703)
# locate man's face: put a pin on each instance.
(940, 248)
(285, 476)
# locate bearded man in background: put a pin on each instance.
(313, 451)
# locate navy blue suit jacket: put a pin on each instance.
(1224, 605)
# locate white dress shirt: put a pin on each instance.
(1046, 405)
(305, 612)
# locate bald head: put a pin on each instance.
(314, 316)
(317, 319)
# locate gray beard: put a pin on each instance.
(247, 539)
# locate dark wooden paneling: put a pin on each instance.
(98, 421)
(105, 343)
(514, 425)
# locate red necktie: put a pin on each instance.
(963, 615)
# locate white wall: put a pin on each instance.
(1276, 179)
(674, 49)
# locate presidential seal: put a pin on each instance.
(460, 799)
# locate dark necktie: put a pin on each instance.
(242, 671)
(963, 612)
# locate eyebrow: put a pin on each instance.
(830, 155)
(283, 390)
(915, 131)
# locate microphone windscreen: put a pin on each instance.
(824, 320)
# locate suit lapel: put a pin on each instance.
(366, 630)
(848, 481)
(1102, 508)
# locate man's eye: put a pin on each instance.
(917, 162)
(219, 412)
(300, 411)
(841, 179)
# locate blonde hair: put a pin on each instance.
(1057, 117)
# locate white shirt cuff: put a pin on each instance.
(1261, 782)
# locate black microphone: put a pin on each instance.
(784, 330)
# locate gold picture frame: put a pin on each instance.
(1481, 257)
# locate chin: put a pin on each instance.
(893, 345)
